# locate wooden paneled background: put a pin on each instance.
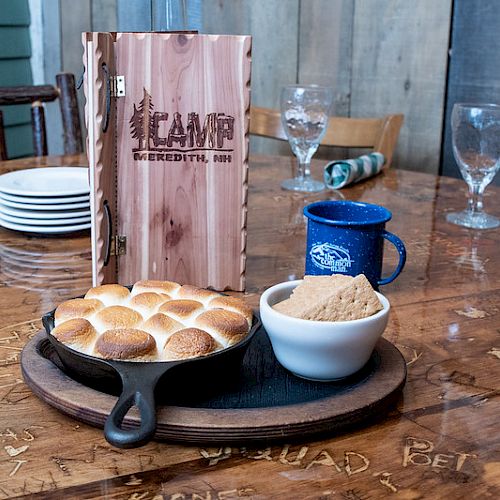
(15, 69)
(381, 56)
(474, 68)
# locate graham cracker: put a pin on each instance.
(347, 299)
(312, 286)
(283, 307)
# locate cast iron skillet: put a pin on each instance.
(139, 380)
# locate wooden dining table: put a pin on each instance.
(439, 440)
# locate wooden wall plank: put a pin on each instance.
(52, 64)
(63, 23)
(325, 53)
(192, 15)
(273, 25)
(474, 72)
(104, 15)
(134, 15)
(325, 48)
(76, 18)
(380, 56)
(399, 62)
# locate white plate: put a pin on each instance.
(45, 222)
(45, 230)
(53, 200)
(38, 214)
(47, 181)
(31, 206)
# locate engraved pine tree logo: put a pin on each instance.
(141, 122)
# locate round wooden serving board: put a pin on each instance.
(264, 402)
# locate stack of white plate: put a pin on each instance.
(50, 200)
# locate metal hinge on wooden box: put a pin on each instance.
(118, 245)
(117, 85)
(167, 119)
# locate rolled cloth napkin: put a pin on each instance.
(340, 173)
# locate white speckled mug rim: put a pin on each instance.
(375, 214)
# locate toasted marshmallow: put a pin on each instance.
(191, 292)
(232, 304)
(77, 308)
(113, 317)
(77, 333)
(226, 327)
(182, 310)
(127, 344)
(168, 287)
(109, 295)
(161, 327)
(147, 303)
(189, 343)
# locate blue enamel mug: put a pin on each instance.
(347, 237)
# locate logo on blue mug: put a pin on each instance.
(332, 257)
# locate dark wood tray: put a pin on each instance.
(263, 402)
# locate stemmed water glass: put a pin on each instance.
(476, 146)
(304, 115)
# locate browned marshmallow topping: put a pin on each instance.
(156, 321)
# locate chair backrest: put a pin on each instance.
(36, 95)
(378, 134)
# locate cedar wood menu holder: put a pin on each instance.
(167, 118)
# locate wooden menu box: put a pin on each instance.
(167, 118)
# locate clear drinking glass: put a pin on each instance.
(475, 132)
(304, 115)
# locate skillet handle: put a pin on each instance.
(138, 389)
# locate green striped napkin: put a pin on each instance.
(340, 173)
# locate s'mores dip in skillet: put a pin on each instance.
(154, 321)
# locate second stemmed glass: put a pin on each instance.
(476, 146)
(304, 115)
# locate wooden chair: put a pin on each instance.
(36, 95)
(379, 134)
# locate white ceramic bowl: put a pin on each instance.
(320, 350)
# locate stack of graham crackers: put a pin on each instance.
(331, 298)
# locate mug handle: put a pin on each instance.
(400, 247)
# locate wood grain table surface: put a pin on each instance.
(440, 441)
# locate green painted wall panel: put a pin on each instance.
(16, 115)
(14, 13)
(19, 141)
(14, 42)
(15, 72)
